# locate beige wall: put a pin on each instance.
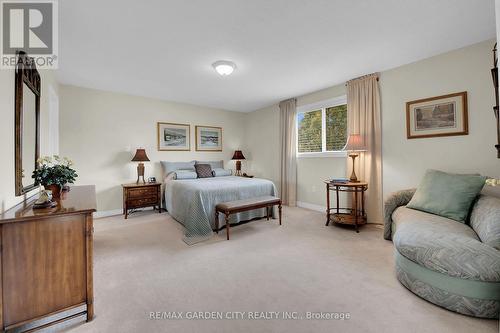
(497, 14)
(312, 171)
(101, 130)
(404, 161)
(7, 168)
(262, 144)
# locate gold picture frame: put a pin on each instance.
(173, 136)
(439, 116)
(208, 138)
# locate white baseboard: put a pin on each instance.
(311, 206)
(106, 213)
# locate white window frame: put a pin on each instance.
(322, 105)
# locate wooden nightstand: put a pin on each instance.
(140, 196)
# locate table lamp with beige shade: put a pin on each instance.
(355, 145)
(140, 156)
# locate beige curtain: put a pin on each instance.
(288, 152)
(363, 105)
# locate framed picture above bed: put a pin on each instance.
(437, 116)
(208, 138)
(176, 137)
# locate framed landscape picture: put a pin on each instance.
(208, 138)
(174, 137)
(437, 116)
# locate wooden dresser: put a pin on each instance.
(141, 195)
(46, 259)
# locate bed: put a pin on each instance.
(192, 201)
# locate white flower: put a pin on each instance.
(45, 160)
(493, 182)
(54, 160)
(67, 161)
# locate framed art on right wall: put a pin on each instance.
(444, 115)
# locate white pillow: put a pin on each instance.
(185, 174)
(219, 172)
(169, 167)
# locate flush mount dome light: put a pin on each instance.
(224, 67)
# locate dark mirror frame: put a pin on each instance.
(26, 74)
(496, 108)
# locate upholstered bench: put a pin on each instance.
(237, 206)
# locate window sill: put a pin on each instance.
(341, 154)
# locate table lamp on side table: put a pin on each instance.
(355, 144)
(238, 156)
(140, 156)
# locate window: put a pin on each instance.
(309, 127)
(336, 127)
(322, 128)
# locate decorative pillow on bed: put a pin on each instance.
(169, 167)
(185, 174)
(213, 164)
(219, 172)
(446, 194)
(203, 170)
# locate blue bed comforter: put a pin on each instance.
(192, 202)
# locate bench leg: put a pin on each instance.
(216, 221)
(227, 225)
(279, 209)
(267, 211)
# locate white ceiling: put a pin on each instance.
(283, 48)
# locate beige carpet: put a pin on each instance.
(142, 266)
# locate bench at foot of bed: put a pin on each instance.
(237, 206)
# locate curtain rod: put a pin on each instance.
(363, 77)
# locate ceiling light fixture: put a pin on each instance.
(224, 67)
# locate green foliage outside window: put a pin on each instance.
(309, 129)
(309, 132)
(336, 127)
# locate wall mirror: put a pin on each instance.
(27, 122)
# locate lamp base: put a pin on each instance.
(140, 173)
(238, 168)
(354, 178)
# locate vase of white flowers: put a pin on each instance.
(53, 172)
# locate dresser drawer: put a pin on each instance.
(140, 202)
(142, 192)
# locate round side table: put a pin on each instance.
(354, 215)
